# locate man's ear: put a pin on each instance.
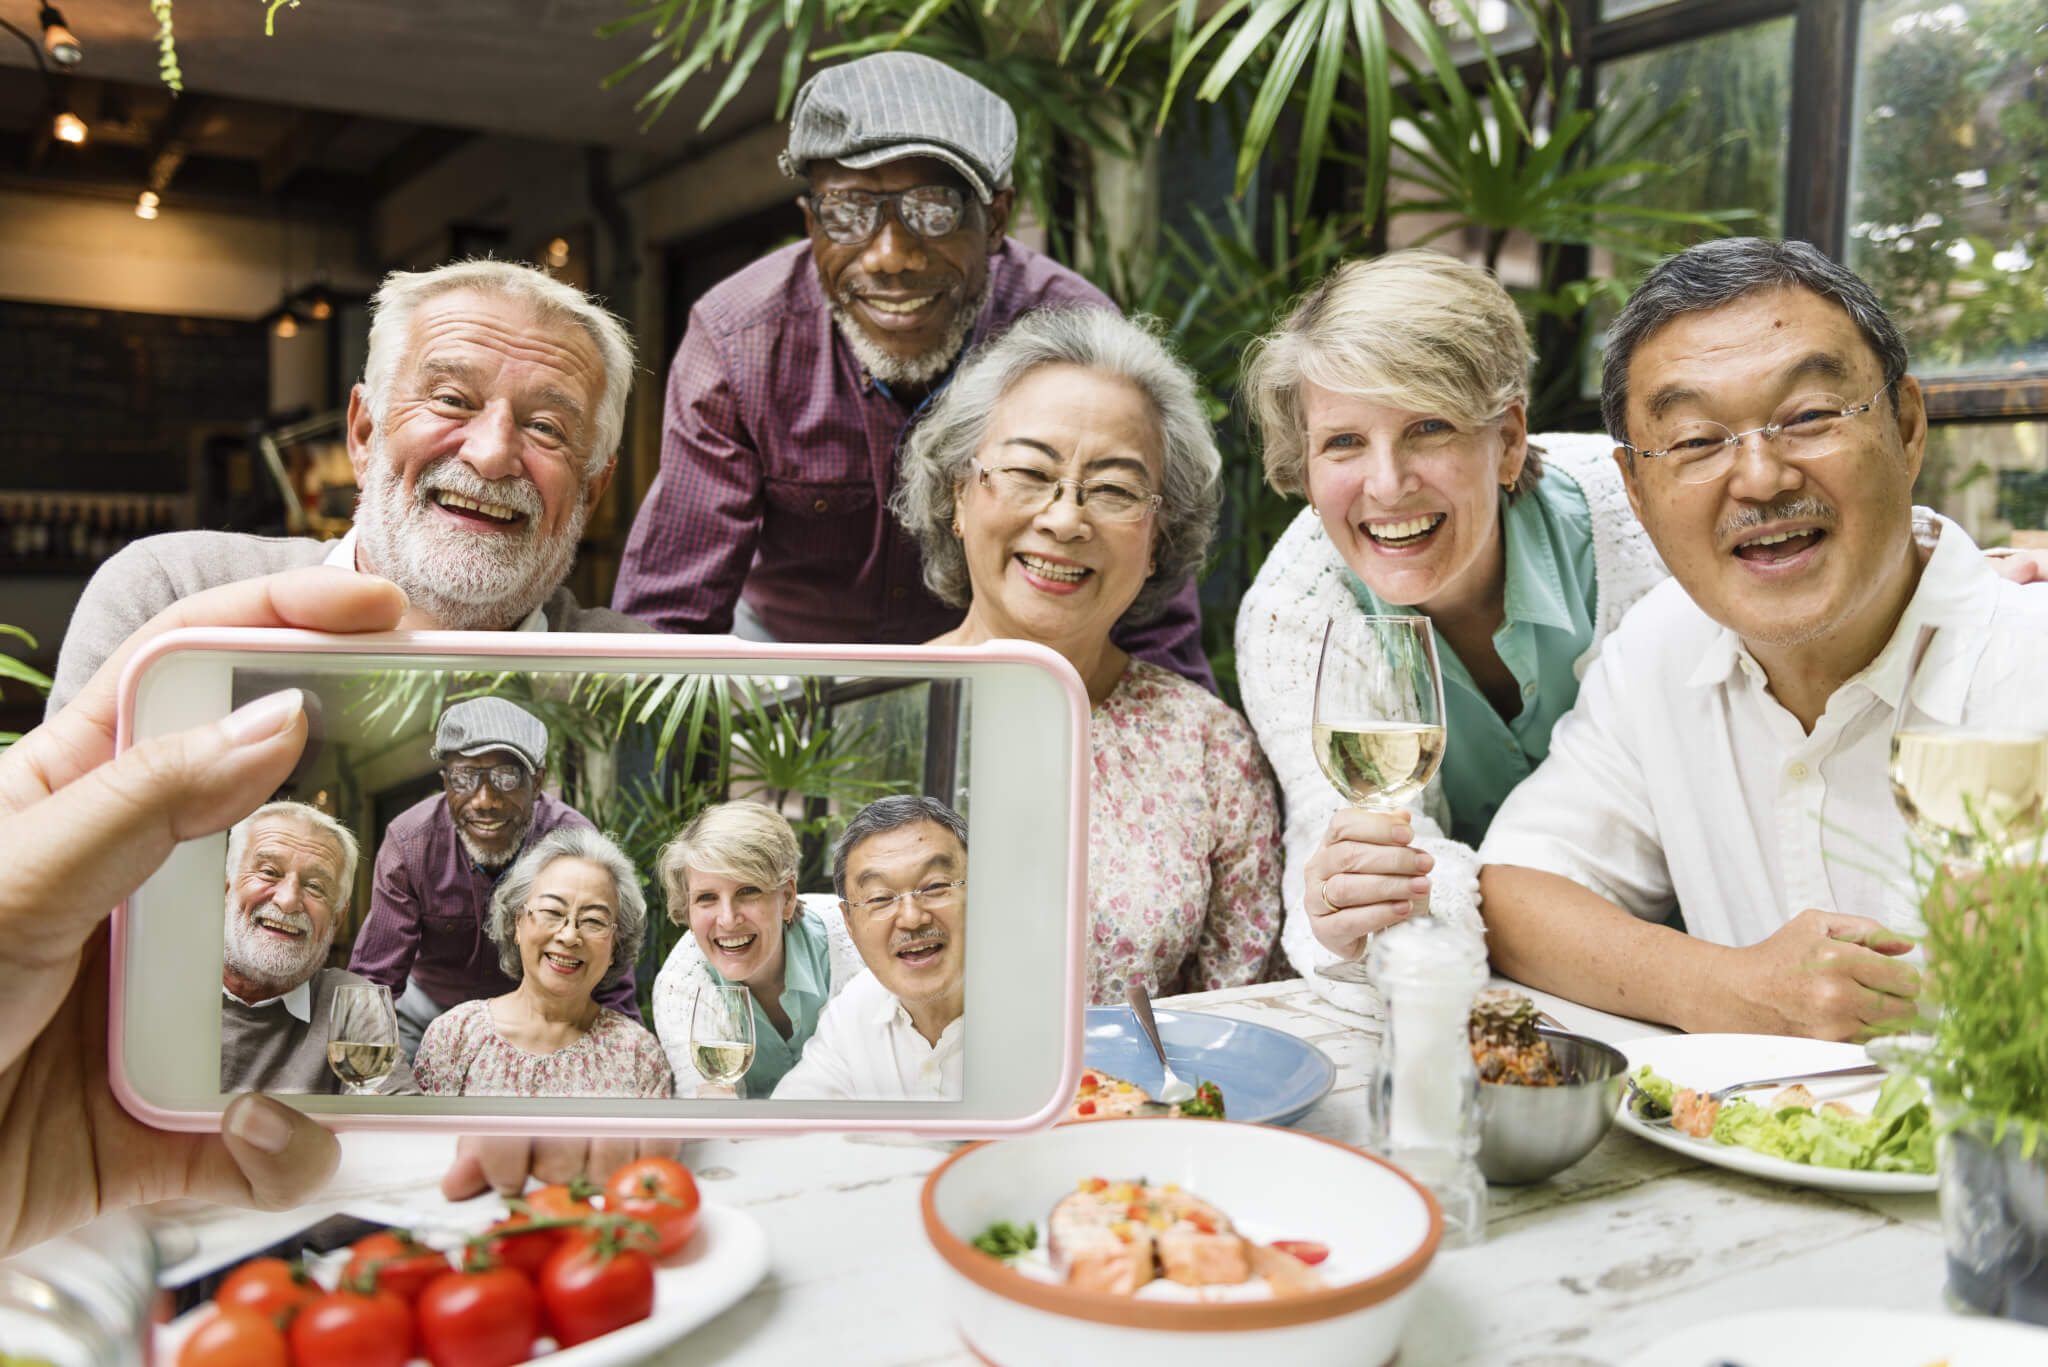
(594, 489)
(1912, 421)
(362, 425)
(1625, 461)
(999, 218)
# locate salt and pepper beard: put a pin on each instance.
(493, 862)
(250, 954)
(913, 370)
(462, 580)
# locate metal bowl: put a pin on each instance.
(1529, 1133)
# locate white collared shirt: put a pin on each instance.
(866, 1049)
(1677, 778)
(343, 554)
(298, 1001)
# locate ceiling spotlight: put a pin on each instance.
(558, 253)
(321, 310)
(64, 49)
(287, 327)
(69, 127)
(144, 209)
(148, 199)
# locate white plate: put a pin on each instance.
(722, 1262)
(1704, 1062)
(1867, 1338)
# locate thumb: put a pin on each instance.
(97, 838)
(269, 1156)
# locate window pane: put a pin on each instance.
(1727, 141)
(1948, 221)
(1615, 9)
(1991, 477)
(1506, 27)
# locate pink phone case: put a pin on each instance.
(484, 645)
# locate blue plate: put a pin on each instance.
(1268, 1076)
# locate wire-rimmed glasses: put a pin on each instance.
(1031, 490)
(930, 896)
(1700, 452)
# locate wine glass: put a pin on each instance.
(1969, 748)
(1378, 727)
(362, 1039)
(722, 1033)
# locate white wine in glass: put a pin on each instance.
(722, 1033)
(1378, 727)
(362, 1041)
(1969, 770)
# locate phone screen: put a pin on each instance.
(564, 883)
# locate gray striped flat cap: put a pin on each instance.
(897, 104)
(470, 728)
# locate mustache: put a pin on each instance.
(297, 920)
(1805, 508)
(450, 475)
(930, 935)
(849, 287)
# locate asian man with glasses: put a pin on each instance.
(442, 858)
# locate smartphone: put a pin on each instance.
(434, 922)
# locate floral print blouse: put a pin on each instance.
(462, 1054)
(1183, 842)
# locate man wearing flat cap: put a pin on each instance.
(441, 860)
(799, 376)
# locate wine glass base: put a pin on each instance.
(1352, 972)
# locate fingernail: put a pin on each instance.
(1418, 885)
(264, 718)
(257, 1123)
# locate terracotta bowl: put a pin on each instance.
(1380, 1226)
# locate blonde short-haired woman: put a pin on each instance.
(730, 876)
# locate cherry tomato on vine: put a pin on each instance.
(661, 1192)
(507, 1246)
(234, 1337)
(594, 1286)
(272, 1287)
(1307, 1250)
(486, 1318)
(402, 1265)
(562, 1201)
(353, 1329)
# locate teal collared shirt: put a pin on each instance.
(806, 983)
(1551, 598)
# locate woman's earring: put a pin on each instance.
(956, 528)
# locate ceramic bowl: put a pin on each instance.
(1529, 1133)
(1381, 1228)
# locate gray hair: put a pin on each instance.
(310, 817)
(508, 903)
(1720, 272)
(742, 840)
(1415, 328)
(887, 814)
(938, 460)
(400, 296)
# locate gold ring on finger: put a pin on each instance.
(1325, 895)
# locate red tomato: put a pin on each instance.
(350, 1329)
(480, 1319)
(1306, 1250)
(509, 1248)
(402, 1266)
(562, 1201)
(272, 1287)
(593, 1287)
(234, 1337)
(660, 1191)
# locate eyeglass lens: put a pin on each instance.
(851, 217)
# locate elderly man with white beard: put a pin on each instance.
(485, 428)
(289, 871)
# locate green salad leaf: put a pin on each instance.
(1897, 1136)
(1005, 1240)
(1658, 1089)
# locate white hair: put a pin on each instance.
(311, 818)
(400, 296)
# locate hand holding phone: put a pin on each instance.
(83, 829)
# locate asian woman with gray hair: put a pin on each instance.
(567, 918)
(1066, 481)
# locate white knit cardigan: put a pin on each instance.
(1279, 639)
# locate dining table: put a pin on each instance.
(1585, 1269)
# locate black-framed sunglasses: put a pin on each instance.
(852, 217)
(506, 778)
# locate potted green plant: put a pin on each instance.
(1981, 1045)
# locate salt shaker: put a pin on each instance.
(1425, 1097)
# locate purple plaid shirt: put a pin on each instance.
(428, 903)
(778, 456)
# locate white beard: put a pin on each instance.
(252, 954)
(915, 370)
(492, 862)
(462, 580)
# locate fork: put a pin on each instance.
(1641, 1103)
(1171, 1088)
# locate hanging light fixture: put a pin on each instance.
(146, 204)
(68, 127)
(58, 42)
(287, 327)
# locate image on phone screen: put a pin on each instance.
(558, 883)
